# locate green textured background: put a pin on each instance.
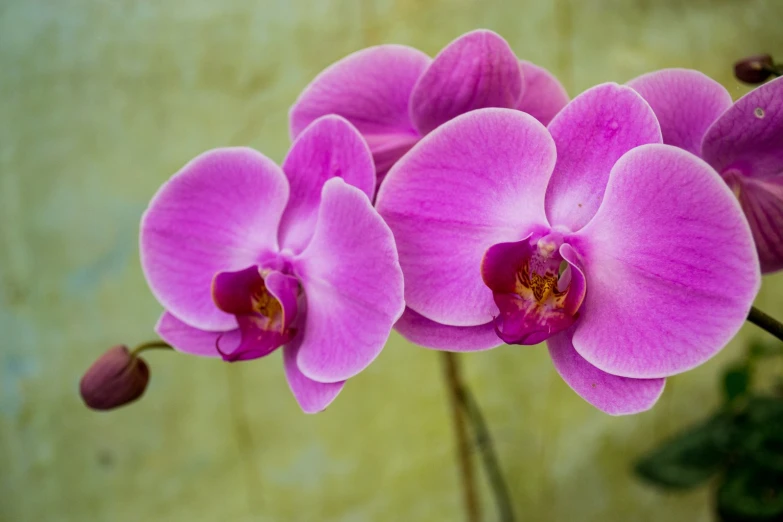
(101, 100)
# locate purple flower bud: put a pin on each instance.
(754, 69)
(116, 378)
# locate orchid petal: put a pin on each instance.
(686, 103)
(670, 265)
(609, 393)
(475, 71)
(232, 290)
(329, 147)
(312, 396)
(419, 330)
(216, 214)
(191, 340)
(478, 180)
(387, 149)
(591, 134)
(371, 88)
(353, 285)
(749, 136)
(762, 202)
(543, 96)
(285, 289)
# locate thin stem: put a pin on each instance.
(151, 345)
(455, 388)
(766, 322)
(490, 459)
(775, 70)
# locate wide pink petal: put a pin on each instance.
(686, 103)
(591, 134)
(762, 202)
(478, 180)
(220, 212)
(475, 71)
(352, 283)
(419, 330)
(609, 393)
(670, 265)
(312, 396)
(193, 341)
(748, 138)
(543, 95)
(371, 88)
(329, 147)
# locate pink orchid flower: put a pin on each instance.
(246, 257)
(396, 94)
(631, 258)
(743, 141)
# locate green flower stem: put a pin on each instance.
(468, 409)
(766, 322)
(151, 345)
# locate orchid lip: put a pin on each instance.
(536, 299)
(264, 303)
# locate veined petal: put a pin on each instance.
(749, 136)
(387, 149)
(686, 103)
(762, 202)
(543, 95)
(312, 396)
(352, 283)
(419, 330)
(193, 341)
(475, 71)
(330, 147)
(478, 180)
(219, 213)
(591, 134)
(371, 88)
(670, 265)
(609, 393)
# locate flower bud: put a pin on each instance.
(754, 69)
(116, 378)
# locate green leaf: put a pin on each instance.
(762, 411)
(761, 349)
(751, 494)
(765, 448)
(761, 433)
(690, 458)
(736, 381)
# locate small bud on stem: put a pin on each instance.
(757, 69)
(118, 377)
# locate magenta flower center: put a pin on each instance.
(536, 290)
(264, 303)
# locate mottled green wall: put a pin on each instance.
(101, 100)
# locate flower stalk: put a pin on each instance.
(488, 456)
(465, 408)
(151, 345)
(766, 322)
(455, 389)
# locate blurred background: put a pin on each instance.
(102, 100)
